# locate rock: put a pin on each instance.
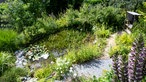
(19, 53)
(32, 80)
(28, 79)
(58, 54)
(21, 62)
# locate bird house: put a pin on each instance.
(132, 17)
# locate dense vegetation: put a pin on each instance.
(76, 28)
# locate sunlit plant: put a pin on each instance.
(133, 68)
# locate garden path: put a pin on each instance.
(97, 67)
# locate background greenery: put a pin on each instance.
(80, 27)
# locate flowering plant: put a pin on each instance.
(36, 52)
(62, 67)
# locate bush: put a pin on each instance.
(44, 72)
(62, 67)
(43, 27)
(6, 62)
(7, 40)
(123, 45)
(89, 15)
(101, 31)
(104, 15)
(19, 14)
(13, 75)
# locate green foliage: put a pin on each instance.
(55, 70)
(124, 39)
(35, 52)
(35, 7)
(19, 15)
(7, 39)
(107, 77)
(62, 67)
(6, 62)
(93, 1)
(43, 27)
(89, 15)
(123, 45)
(13, 75)
(144, 79)
(133, 67)
(86, 53)
(44, 72)
(102, 31)
(120, 50)
(66, 39)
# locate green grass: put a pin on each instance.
(86, 52)
(7, 39)
(6, 62)
(65, 39)
(107, 77)
(102, 31)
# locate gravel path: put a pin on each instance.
(93, 68)
(110, 44)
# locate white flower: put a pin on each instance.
(24, 63)
(75, 75)
(52, 62)
(70, 70)
(45, 56)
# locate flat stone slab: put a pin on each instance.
(93, 68)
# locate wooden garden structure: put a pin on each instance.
(131, 17)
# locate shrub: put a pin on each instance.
(36, 52)
(13, 75)
(7, 39)
(102, 31)
(19, 14)
(123, 44)
(58, 70)
(124, 39)
(44, 72)
(6, 62)
(89, 15)
(62, 67)
(93, 1)
(104, 15)
(43, 27)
